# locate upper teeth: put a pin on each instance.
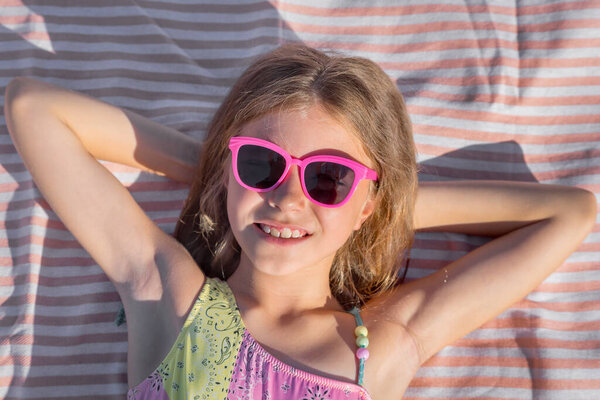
(285, 233)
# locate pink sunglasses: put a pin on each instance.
(328, 181)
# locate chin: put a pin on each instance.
(275, 266)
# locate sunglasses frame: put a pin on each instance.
(360, 171)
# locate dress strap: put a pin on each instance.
(362, 342)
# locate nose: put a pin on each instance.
(288, 196)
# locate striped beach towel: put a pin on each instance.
(496, 90)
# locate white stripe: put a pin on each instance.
(61, 311)
(75, 349)
(505, 110)
(146, 29)
(50, 272)
(392, 20)
(523, 93)
(62, 370)
(481, 392)
(423, 38)
(501, 148)
(565, 297)
(416, 272)
(500, 70)
(578, 276)
(66, 331)
(155, 49)
(191, 15)
(468, 164)
(540, 352)
(503, 129)
(64, 234)
(148, 105)
(57, 292)
(146, 195)
(594, 237)
(515, 334)
(506, 372)
(75, 391)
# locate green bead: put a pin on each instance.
(362, 341)
(361, 330)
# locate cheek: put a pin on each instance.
(338, 224)
(241, 203)
(235, 203)
(344, 218)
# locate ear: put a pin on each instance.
(367, 209)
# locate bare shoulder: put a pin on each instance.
(394, 355)
(157, 305)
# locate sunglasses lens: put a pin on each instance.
(259, 167)
(327, 182)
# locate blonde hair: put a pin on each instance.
(352, 89)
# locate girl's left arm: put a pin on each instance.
(537, 226)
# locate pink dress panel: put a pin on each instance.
(150, 389)
(259, 375)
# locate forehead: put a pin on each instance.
(307, 132)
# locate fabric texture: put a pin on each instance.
(495, 90)
(215, 357)
(200, 363)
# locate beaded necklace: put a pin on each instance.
(362, 341)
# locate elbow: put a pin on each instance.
(584, 207)
(589, 204)
(17, 95)
(21, 101)
(17, 88)
(24, 90)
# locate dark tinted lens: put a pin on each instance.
(259, 167)
(328, 183)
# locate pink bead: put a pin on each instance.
(362, 353)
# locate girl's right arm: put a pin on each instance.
(59, 134)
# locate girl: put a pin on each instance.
(281, 281)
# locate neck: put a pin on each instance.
(283, 296)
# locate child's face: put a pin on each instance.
(302, 134)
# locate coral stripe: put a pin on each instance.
(462, 44)
(515, 322)
(532, 342)
(21, 19)
(514, 362)
(521, 101)
(443, 26)
(506, 382)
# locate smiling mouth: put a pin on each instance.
(285, 233)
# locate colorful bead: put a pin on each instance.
(362, 353)
(362, 341)
(361, 330)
